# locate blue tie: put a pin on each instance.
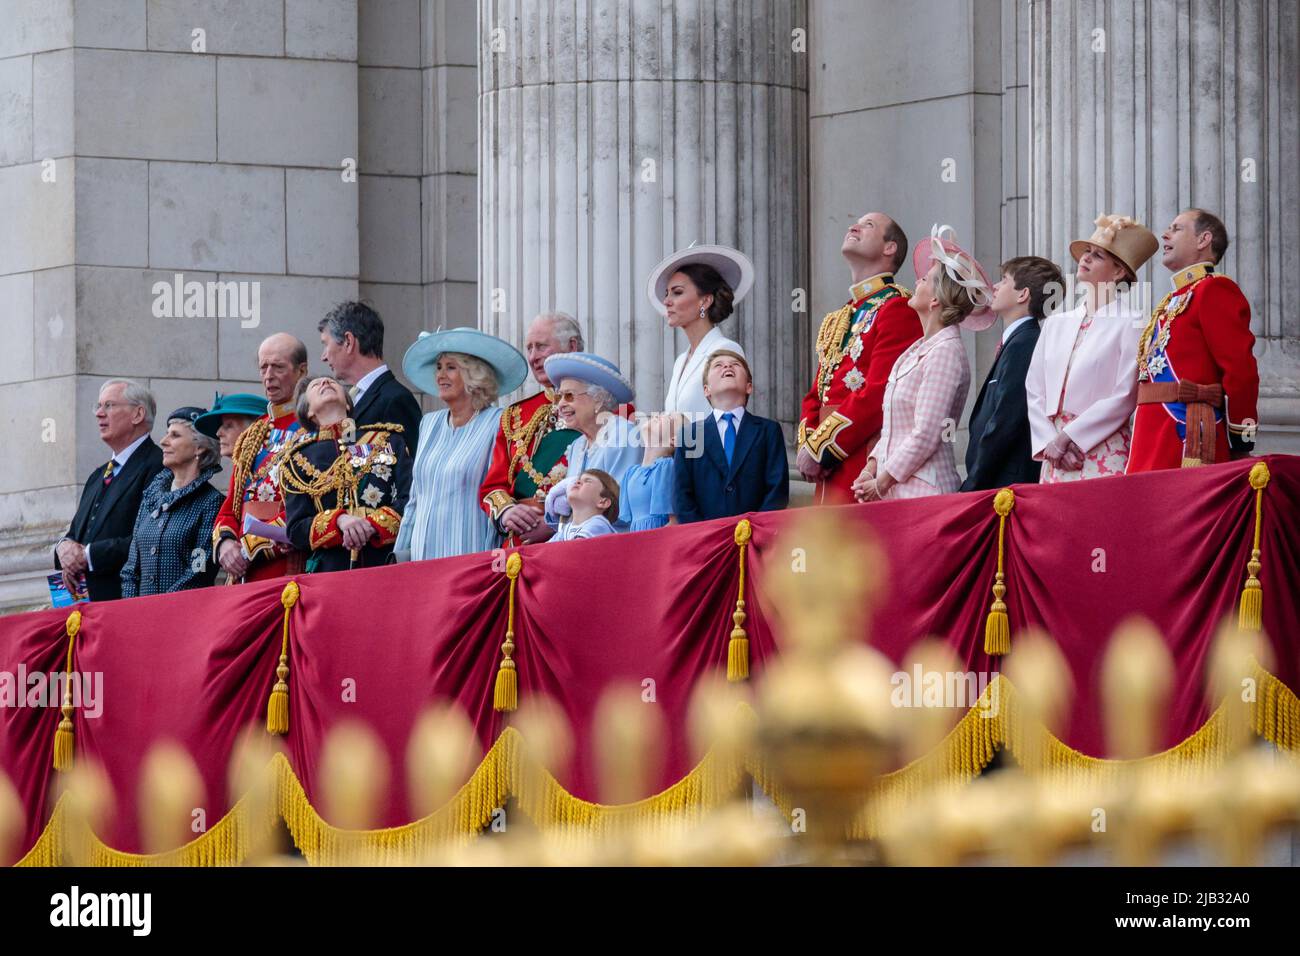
(729, 436)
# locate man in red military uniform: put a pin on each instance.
(528, 457)
(856, 349)
(254, 478)
(1198, 384)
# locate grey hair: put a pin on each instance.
(565, 327)
(480, 380)
(133, 393)
(603, 398)
(209, 448)
(300, 399)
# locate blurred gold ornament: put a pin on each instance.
(13, 820)
(629, 739)
(1231, 679)
(441, 755)
(171, 794)
(353, 776)
(1136, 677)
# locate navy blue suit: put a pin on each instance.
(1000, 452)
(758, 478)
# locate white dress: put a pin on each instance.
(686, 387)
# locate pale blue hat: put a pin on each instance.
(591, 369)
(506, 361)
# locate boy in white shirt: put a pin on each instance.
(593, 496)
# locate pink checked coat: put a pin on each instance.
(923, 403)
(1101, 391)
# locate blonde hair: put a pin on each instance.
(954, 301)
(480, 379)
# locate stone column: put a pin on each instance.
(1148, 107)
(611, 133)
(138, 141)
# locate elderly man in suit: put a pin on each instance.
(743, 465)
(999, 452)
(352, 340)
(99, 538)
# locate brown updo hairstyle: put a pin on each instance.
(707, 281)
(954, 301)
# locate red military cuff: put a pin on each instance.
(386, 523)
(325, 531)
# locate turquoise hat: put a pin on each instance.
(507, 362)
(240, 403)
(592, 369)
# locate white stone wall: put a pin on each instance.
(918, 111)
(613, 133)
(1149, 107)
(225, 164)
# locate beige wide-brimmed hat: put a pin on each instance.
(1126, 239)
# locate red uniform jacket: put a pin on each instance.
(1200, 333)
(251, 479)
(856, 349)
(528, 456)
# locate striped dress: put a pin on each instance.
(444, 515)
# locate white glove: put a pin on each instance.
(557, 502)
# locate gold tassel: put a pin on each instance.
(63, 737)
(1251, 615)
(505, 694)
(997, 629)
(738, 645)
(277, 708)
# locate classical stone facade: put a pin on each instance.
(469, 162)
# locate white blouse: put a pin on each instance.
(686, 388)
(1101, 390)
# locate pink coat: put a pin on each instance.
(1102, 389)
(923, 402)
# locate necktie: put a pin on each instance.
(354, 392)
(729, 436)
(108, 471)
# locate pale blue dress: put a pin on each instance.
(444, 515)
(645, 498)
(616, 449)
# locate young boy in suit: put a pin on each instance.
(732, 461)
(999, 452)
(593, 496)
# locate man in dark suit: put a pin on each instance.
(99, 538)
(732, 461)
(352, 337)
(1000, 453)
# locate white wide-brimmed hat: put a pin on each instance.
(734, 267)
(591, 369)
(510, 367)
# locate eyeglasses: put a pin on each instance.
(570, 396)
(109, 406)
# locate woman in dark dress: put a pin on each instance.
(173, 527)
(345, 487)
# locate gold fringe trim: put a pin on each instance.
(997, 628)
(277, 708)
(738, 645)
(1251, 614)
(508, 771)
(505, 693)
(63, 736)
